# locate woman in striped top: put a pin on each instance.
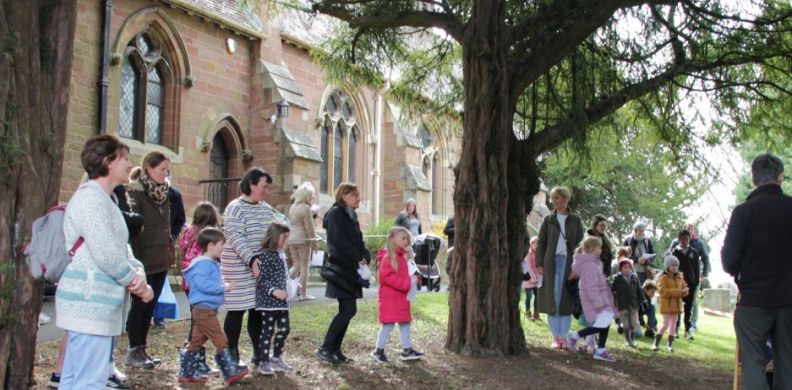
(245, 222)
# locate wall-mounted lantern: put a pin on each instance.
(281, 111)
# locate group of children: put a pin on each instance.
(202, 246)
(622, 297)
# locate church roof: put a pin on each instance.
(226, 13)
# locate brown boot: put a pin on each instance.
(536, 316)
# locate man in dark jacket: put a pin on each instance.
(690, 266)
(755, 252)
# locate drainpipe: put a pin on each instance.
(104, 82)
(378, 120)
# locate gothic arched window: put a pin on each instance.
(340, 141)
(144, 76)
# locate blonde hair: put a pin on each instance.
(304, 193)
(562, 191)
(589, 244)
(392, 233)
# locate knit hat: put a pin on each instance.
(625, 262)
(639, 225)
(671, 260)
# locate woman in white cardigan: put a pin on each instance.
(93, 293)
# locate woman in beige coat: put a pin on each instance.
(302, 238)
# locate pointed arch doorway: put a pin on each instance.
(225, 165)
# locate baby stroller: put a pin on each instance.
(426, 249)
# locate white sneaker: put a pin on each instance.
(44, 319)
(306, 297)
(118, 374)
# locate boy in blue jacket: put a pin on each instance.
(206, 296)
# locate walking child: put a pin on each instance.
(647, 308)
(672, 289)
(206, 296)
(205, 215)
(595, 296)
(395, 284)
(530, 285)
(272, 299)
(628, 297)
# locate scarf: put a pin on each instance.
(157, 192)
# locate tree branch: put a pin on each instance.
(392, 19)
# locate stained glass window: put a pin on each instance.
(352, 145)
(338, 156)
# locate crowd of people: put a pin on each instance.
(125, 217)
(561, 281)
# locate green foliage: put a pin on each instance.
(630, 174)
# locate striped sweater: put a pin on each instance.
(244, 224)
(92, 296)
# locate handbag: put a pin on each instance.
(167, 306)
(338, 276)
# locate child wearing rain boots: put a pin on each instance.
(672, 288)
(628, 297)
(206, 296)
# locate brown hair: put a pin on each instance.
(98, 152)
(343, 190)
(150, 160)
(208, 236)
(649, 285)
(272, 237)
(623, 251)
(252, 178)
(407, 208)
(595, 220)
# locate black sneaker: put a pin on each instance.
(114, 383)
(54, 380)
(410, 354)
(343, 358)
(327, 356)
(379, 355)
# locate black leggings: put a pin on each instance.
(233, 327)
(140, 313)
(603, 334)
(270, 320)
(347, 308)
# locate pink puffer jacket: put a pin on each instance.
(595, 294)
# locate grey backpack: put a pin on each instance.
(46, 253)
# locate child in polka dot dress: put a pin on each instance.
(272, 299)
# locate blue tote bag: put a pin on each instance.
(167, 305)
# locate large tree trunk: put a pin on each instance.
(36, 42)
(489, 203)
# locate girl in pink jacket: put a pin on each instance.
(595, 296)
(530, 285)
(395, 284)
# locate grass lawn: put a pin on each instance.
(705, 363)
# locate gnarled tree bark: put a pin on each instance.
(36, 45)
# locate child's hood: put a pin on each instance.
(196, 261)
(585, 258)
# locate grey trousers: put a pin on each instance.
(754, 326)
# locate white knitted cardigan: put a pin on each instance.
(92, 297)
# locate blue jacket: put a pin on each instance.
(206, 285)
